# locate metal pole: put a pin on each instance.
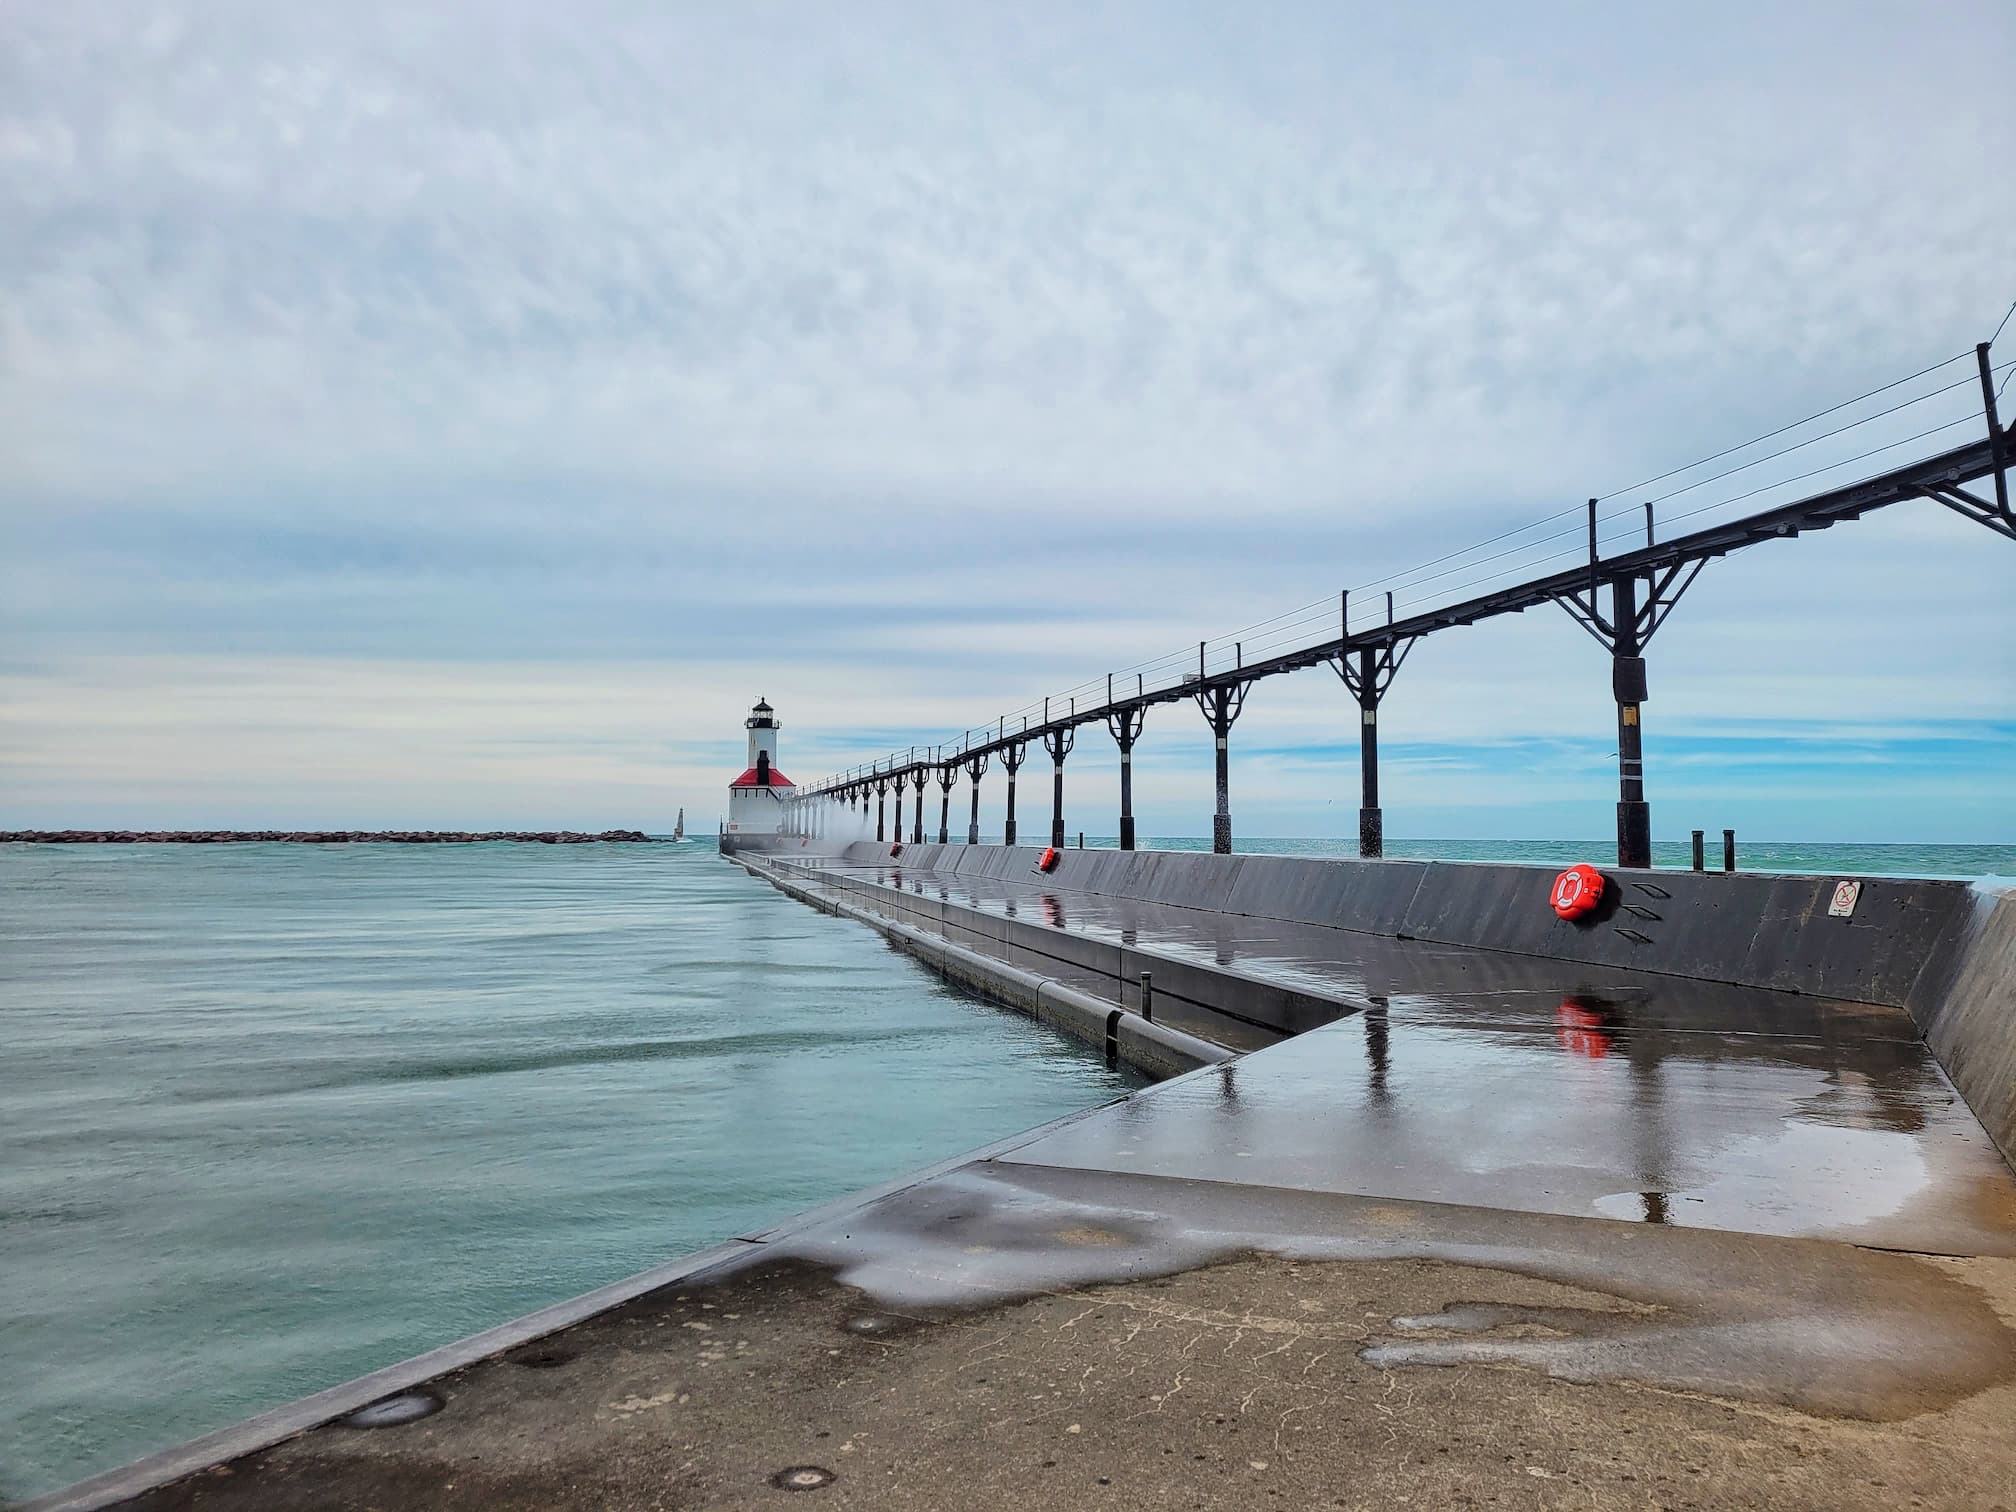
(1058, 742)
(1371, 822)
(1221, 817)
(1592, 553)
(1011, 758)
(1126, 728)
(1700, 853)
(1148, 996)
(1995, 445)
(1057, 799)
(881, 807)
(899, 810)
(945, 781)
(1126, 795)
(917, 834)
(973, 825)
(1627, 683)
(1728, 850)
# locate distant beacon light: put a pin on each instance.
(758, 800)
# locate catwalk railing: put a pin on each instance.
(1620, 599)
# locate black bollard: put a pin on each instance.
(1728, 850)
(1700, 857)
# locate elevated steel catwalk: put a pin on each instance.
(1643, 584)
(1941, 478)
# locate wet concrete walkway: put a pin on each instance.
(1427, 980)
(1470, 1076)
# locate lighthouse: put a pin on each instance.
(757, 799)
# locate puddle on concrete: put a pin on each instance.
(1774, 1136)
(1826, 1328)
(1821, 1179)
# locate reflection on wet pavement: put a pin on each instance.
(1659, 1131)
(1485, 1079)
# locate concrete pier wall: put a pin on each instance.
(1968, 1014)
(1157, 1049)
(1943, 950)
(1750, 929)
(1225, 997)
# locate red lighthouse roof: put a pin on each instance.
(750, 779)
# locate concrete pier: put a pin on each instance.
(1698, 1095)
(1575, 1220)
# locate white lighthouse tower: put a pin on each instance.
(757, 799)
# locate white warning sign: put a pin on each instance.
(1845, 896)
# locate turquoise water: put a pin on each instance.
(276, 1115)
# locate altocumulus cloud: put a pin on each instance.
(457, 414)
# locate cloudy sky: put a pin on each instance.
(456, 414)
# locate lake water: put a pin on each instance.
(275, 1115)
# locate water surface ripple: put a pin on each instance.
(276, 1115)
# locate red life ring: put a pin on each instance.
(1047, 862)
(896, 849)
(1577, 891)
